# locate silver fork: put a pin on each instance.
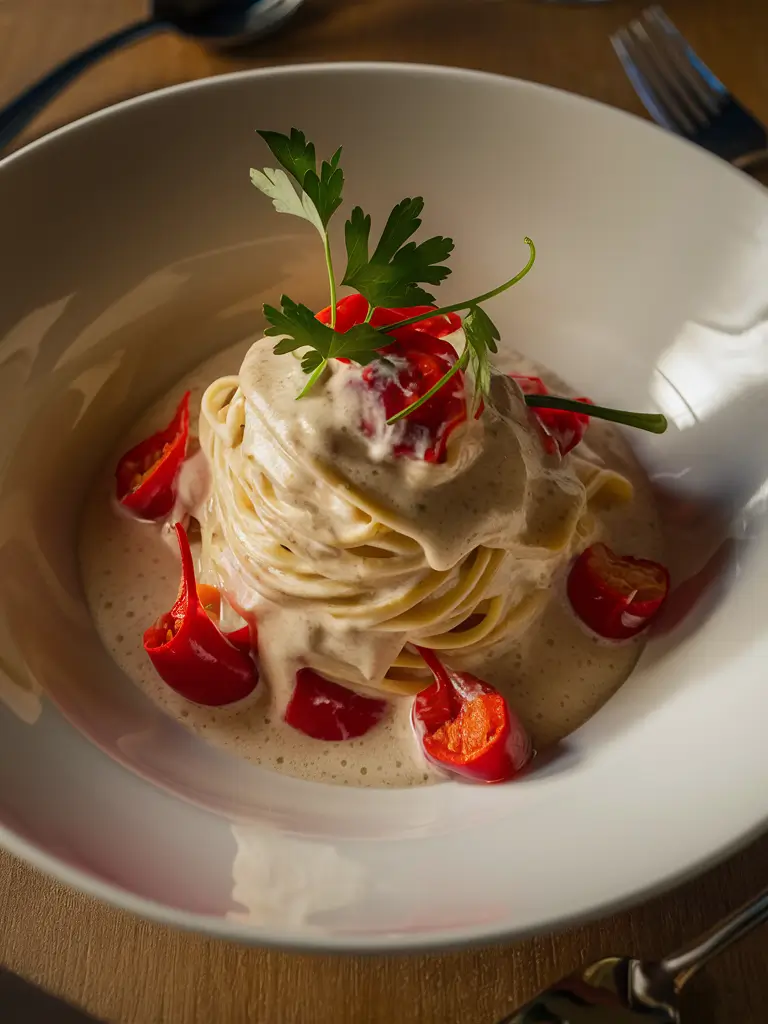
(681, 93)
(622, 990)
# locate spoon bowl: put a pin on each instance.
(223, 24)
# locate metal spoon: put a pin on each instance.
(621, 990)
(214, 22)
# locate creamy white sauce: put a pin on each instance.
(554, 674)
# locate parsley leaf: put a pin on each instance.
(481, 334)
(325, 190)
(311, 360)
(455, 307)
(293, 151)
(278, 186)
(298, 158)
(301, 329)
(360, 344)
(299, 324)
(304, 330)
(393, 274)
(319, 195)
(357, 231)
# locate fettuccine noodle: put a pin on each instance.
(344, 556)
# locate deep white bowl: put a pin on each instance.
(132, 246)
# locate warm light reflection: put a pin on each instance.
(755, 509)
(706, 367)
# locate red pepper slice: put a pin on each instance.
(616, 596)
(191, 654)
(409, 367)
(243, 639)
(326, 711)
(210, 598)
(146, 475)
(563, 430)
(353, 309)
(466, 727)
(420, 358)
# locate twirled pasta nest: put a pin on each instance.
(267, 519)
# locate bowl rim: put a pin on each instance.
(247, 934)
(232, 930)
(394, 66)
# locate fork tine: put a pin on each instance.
(704, 83)
(681, 93)
(666, 72)
(619, 41)
(650, 86)
(676, 71)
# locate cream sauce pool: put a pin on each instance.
(555, 675)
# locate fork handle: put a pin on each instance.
(682, 966)
(755, 165)
(15, 117)
(751, 161)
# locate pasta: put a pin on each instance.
(304, 527)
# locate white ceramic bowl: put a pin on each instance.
(132, 245)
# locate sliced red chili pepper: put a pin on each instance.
(210, 598)
(418, 358)
(409, 367)
(243, 639)
(616, 596)
(563, 430)
(353, 309)
(146, 475)
(191, 654)
(466, 727)
(326, 711)
(436, 326)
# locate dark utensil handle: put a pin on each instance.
(681, 966)
(20, 111)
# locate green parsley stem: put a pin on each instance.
(369, 314)
(460, 364)
(456, 306)
(331, 280)
(653, 422)
(313, 378)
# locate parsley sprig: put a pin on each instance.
(392, 276)
(319, 196)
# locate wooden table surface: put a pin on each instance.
(128, 971)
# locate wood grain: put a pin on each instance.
(128, 971)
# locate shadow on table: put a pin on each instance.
(702, 1002)
(23, 1003)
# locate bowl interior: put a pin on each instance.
(134, 246)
